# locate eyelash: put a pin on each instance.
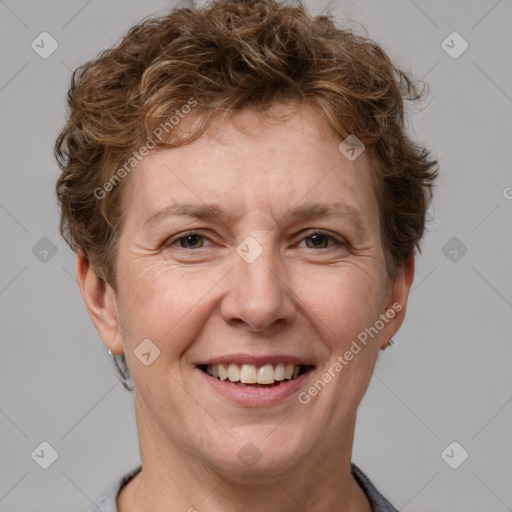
(310, 234)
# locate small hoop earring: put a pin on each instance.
(391, 342)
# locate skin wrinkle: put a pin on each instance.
(291, 299)
(276, 89)
(160, 66)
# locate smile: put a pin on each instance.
(254, 376)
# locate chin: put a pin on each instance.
(258, 451)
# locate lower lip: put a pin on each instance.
(256, 396)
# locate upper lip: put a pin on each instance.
(257, 360)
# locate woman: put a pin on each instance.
(245, 207)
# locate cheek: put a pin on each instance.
(347, 304)
(355, 305)
(159, 302)
(342, 303)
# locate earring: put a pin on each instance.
(121, 372)
(391, 342)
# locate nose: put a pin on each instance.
(259, 294)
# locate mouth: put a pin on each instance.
(254, 376)
(251, 380)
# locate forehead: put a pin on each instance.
(249, 163)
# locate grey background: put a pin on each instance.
(448, 378)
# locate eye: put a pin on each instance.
(320, 240)
(196, 240)
(190, 240)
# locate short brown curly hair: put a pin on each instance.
(228, 56)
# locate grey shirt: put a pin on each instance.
(378, 502)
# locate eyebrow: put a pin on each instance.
(302, 212)
(311, 211)
(199, 211)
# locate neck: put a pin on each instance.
(173, 479)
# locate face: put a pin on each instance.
(258, 247)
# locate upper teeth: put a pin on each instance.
(251, 374)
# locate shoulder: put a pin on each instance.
(377, 501)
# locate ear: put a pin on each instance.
(100, 302)
(396, 301)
